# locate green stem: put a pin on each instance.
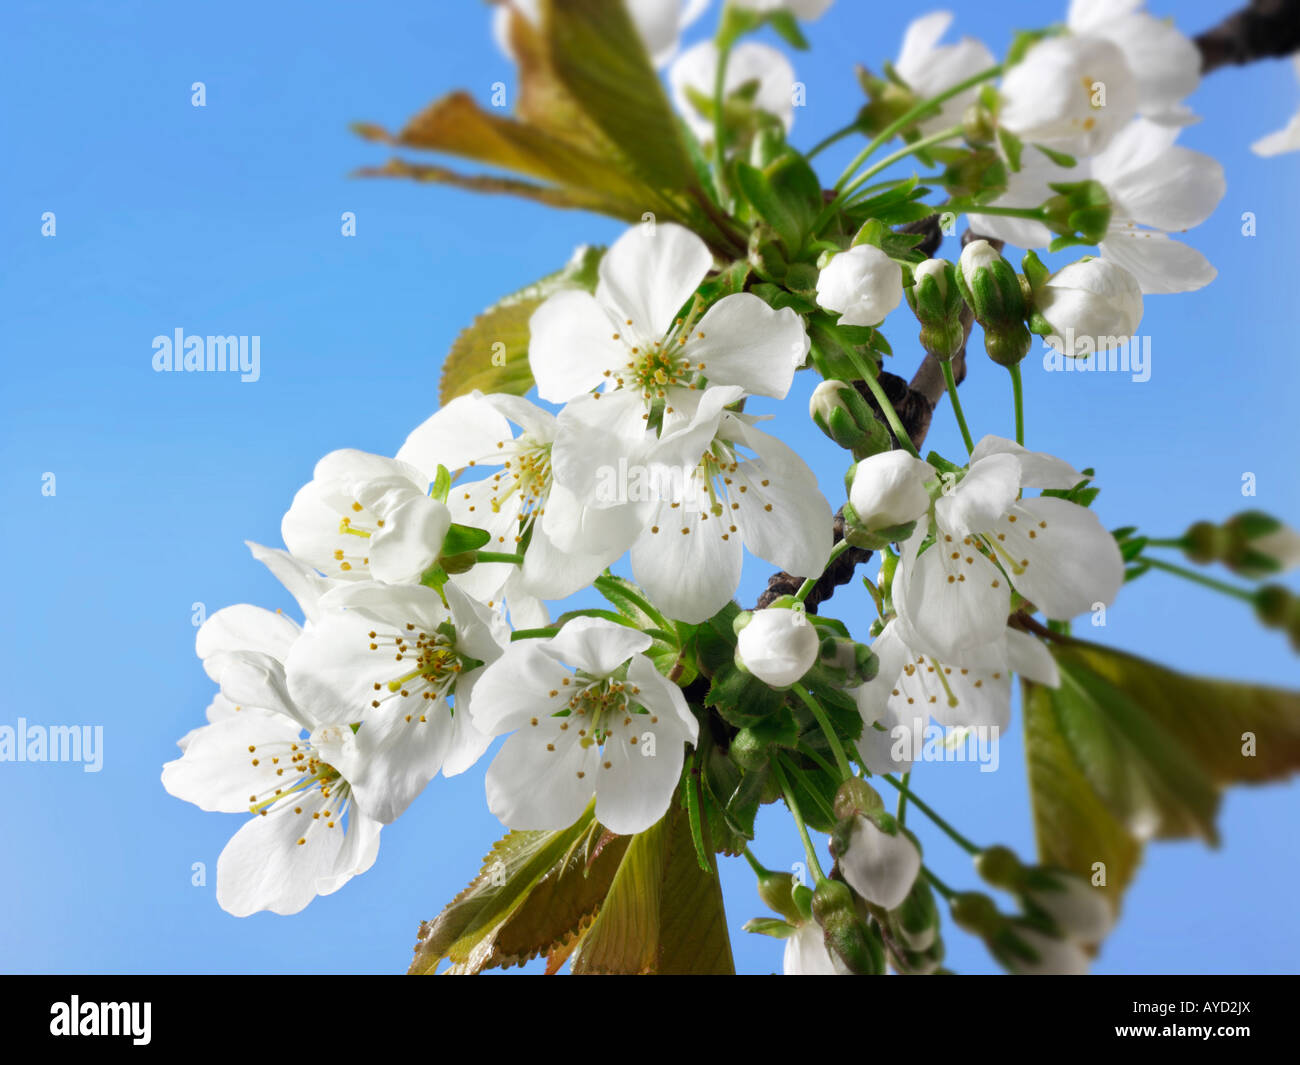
(809, 850)
(1018, 394)
(1200, 578)
(921, 110)
(908, 149)
(499, 556)
(811, 582)
(882, 401)
(939, 885)
(1036, 213)
(901, 812)
(835, 137)
(719, 121)
(943, 825)
(951, 382)
(754, 863)
(1174, 541)
(824, 723)
(532, 634)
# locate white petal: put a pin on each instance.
(951, 616)
(1074, 564)
(597, 646)
(1037, 468)
(531, 786)
(648, 274)
(515, 688)
(217, 773)
(571, 345)
(677, 544)
(981, 497)
(465, 430)
(410, 540)
(243, 627)
(742, 341)
(880, 867)
(1160, 264)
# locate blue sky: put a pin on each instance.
(226, 220)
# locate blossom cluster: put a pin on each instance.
(426, 579)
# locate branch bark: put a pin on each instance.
(1263, 29)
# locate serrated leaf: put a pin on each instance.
(663, 913)
(787, 195)
(491, 354)
(1127, 750)
(462, 932)
(741, 698)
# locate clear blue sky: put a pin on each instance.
(226, 220)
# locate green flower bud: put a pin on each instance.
(847, 662)
(1259, 546)
(992, 288)
(854, 797)
(1274, 605)
(1204, 542)
(976, 913)
(915, 923)
(839, 410)
(1080, 210)
(847, 934)
(936, 299)
(1000, 867)
(777, 892)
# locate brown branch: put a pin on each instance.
(1263, 29)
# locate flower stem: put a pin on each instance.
(1018, 394)
(943, 825)
(499, 556)
(902, 153)
(1200, 578)
(951, 382)
(904, 121)
(886, 407)
(901, 812)
(1036, 213)
(1170, 541)
(823, 722)
(809, 850)
(719, 121)
(811, 582)
(826, 142)
(939, 885)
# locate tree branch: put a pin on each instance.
(1263, 29)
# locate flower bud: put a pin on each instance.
(937, 301)
(1089, 306)
(856, 796)
(992, 288)
(1000, 867)
(1080, 209)
(1030, 952)
(888, 496)
(777, 645)
(1079, 910)
(915, 923)
(847, 934)
(1259, 545)
(1274, 605)
(777, 892)
(975, 912)
(863, 284)
(839, 411)
(878, 858)
(847, 663)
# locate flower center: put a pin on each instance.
(427, 666)
(527, 472)
(357, 525)
(652, 368)
(299, 772)
(600, 703)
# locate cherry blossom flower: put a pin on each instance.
(588, 715)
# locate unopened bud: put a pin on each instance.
(936, 299)
(839, 410)
(992, 288)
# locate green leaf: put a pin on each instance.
(787, 195)
(1012, 146)
(1127, 750)
(464, 930)
(787, 28)
(600, 59)
(741, 698)
(663, 913)
(492, 353)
